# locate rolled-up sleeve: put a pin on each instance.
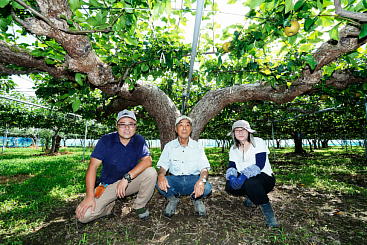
(204, 162)
(164, 160)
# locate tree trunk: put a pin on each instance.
(314, 142)
(277, 142)
(324, 143)
(55, 144)
(298, 149)
(310, 142)
(47, 144)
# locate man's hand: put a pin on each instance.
(198, 188)
(88, 202)
(163, 183)
(121, 188)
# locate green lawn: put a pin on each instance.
(32, 185)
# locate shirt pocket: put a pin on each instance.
(176, 165)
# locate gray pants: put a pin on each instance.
(143, 184)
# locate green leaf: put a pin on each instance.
(310, 60)
(364, 3)
(306, 47)
(3, 3)
(74, 4)
(319, 5)
(328, 70)
(288, 5)
(144, 67)
(131, 40)
(363, 32)
(298, 5)
(79, 78)
(16, 5)
(253, 3)
(334, 33)
(5, 23)
(309, 23)
(76, 104)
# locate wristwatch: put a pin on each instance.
(127, 176)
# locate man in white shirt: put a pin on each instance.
(185, 160)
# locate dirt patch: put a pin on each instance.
(15, 178)
(354, 179)
(307, 216)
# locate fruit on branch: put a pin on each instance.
(293, 29)
(226, 47)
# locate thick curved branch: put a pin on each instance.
(362, 17)
(7, 71)
(50, 23)
(80, 55)
(16, 56)
(214, 101)
(154, 100)
(330, 51)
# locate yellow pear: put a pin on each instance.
(293, 29)
(226, 47)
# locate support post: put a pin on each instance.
(272, 135)
(85, 139)
(5, 139)
(195, 39)
(365, 129)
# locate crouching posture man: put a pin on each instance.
(188, 165)
(127, 169)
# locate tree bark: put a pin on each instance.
(324, 143)
(298, 148)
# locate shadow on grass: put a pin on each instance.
(307, 217)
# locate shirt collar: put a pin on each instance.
(190, 144)
(116, 138)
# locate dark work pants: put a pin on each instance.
(255, 188)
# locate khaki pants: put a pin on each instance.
(143, 184)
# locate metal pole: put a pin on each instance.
(85, 139)
(365, 129)
(5, 139)
(199, 13)
(272, 135)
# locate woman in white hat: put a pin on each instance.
(249, 172)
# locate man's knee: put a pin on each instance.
(87, 217)
(150, 173)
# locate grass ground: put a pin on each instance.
(319, 198)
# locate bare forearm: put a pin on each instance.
(162, 172)
(145, 163)
(90, 178)
(90, 181)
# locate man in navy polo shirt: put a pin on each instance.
(127, 169)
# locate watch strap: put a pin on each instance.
(127, 176)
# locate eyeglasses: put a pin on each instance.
(239, 131)
(123, 125)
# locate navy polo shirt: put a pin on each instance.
(116, 158)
